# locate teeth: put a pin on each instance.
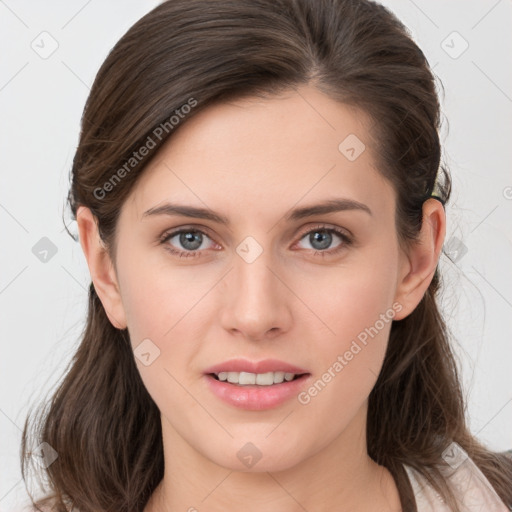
(260, 379)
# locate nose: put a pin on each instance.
(257, 300)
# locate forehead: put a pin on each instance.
(267, 155)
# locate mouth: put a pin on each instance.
(256, 386)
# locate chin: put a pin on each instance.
(258, 457)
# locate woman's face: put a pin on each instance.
(272, 282)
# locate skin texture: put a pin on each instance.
(252, 161)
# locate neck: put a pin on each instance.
(340, 476)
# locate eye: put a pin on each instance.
(321, 237)
(193, 241)
(190, 239)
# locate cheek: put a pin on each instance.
(349, 299)
(165, 314)
(157, 297)
(347, 367)
(356, 306)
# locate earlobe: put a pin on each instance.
(418, 267)
(100, 267)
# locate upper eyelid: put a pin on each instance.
(327, 227)
(168, 233)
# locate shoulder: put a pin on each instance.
(426, 497)
(471, 488)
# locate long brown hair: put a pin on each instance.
(176, 61)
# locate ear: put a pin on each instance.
(101, 267)
(418, 266)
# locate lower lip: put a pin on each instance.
(256, 398)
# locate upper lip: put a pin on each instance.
(264, 366)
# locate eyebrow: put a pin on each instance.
(329, 206)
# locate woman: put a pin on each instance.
(255, 190)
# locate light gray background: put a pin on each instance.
(41, 101)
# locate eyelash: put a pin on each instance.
(347, 241)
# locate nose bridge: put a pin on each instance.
(257, 301)
(256, 284)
